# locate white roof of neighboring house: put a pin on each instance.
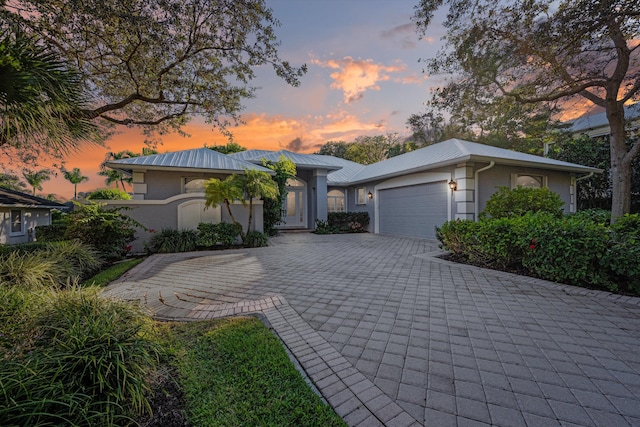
(199, 158)
(455, 151)
(598, 125)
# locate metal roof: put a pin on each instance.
(456, 150)
(591, 122)
(302, 161)
(18, 199)
(199, 158)
(340, 170)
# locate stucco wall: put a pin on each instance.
(157, 215)
(164, 184)
(499, 175)
(32, 219)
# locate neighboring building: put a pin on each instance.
(597, 125)
(21, 213)
(407, 195)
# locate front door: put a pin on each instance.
(293, 209)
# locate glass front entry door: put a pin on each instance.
(294, 205)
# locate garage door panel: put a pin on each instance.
(413, 210)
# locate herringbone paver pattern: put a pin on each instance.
(391, 335)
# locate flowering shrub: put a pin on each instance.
(348, 222)
(575, 250)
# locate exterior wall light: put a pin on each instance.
(453, 185)
(370, 195)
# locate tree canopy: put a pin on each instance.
(368, 149)
(41, 101)
(542, 53)
(155, 63)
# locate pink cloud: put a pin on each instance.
(355, 77)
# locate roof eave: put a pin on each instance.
(127, 168)
(539, 165)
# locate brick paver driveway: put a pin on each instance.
(391, 335)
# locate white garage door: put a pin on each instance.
(413, 210)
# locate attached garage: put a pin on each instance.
(413, 210)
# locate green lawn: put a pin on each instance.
(235, 372)
(110, 274)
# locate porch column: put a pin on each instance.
(319, 182)
(139, 186)
(464, 197)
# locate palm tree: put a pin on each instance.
(35, 179)
(256, 185)
(41, 99)
(113, 175)
(219, 192)
(12, 182)
(75, 177)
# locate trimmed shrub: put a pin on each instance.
(170, 240)
(348, 222)
(622, 255)
(51, 233)
(222, 234)
(256, 239)
(598, 216)
(109, 194)
(508, 203)
(568, 251)
(459, 237)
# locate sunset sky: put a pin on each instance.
(364, 78)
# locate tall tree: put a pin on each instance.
(12, 182)
(256, 184)
(113, 175)
(155, 63)
(35, 179)
(75, 177)
(335, 149)
(41, 101)
(538, 51)
(229, 148)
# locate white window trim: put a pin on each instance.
(332, 207)
(515, 176)
(188, 179)
(22, 231)
(364, 196)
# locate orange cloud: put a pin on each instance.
(355, 77)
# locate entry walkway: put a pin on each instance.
(392, 335)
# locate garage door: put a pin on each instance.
(413, 210)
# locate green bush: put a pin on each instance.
(622, 255)
(18, 309)
(170, 240)
(256, 239)
(107, 229)
(459, 237)
(89, 364)
(109, 194)
(569, 251)
(507, 203)
(599, 216)
(222, 234)
(348, 222)
(51, 233)
(322, 227)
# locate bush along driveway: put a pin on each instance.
(392, 335)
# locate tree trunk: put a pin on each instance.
(250, 213)
(620, 162)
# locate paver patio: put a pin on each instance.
(391, 335)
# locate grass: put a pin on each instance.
(110, 274)
(235, 372)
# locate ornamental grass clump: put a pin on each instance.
(88, 362)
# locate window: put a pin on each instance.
(17, 222)
(361, 197)
(194, 185)
(335, 201)
(530, 181)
